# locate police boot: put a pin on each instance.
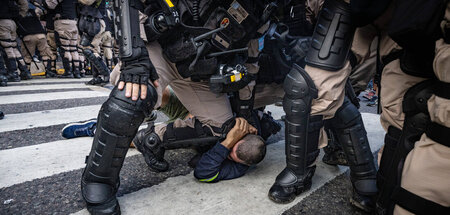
(76, 71)
(351, 133)
(24, 71)
(67, 69)
(118, 121)
(3, 73)
(96, 79)
(296, 178)
(149, 144)
(302, 136)
(50, 72)
(11, 65)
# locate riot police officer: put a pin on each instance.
(66, 34)
(8, 37)
(188, 42)
(92, 26)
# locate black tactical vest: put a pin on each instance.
(9, 11)
(67, 9)
(294, 16)
(240, 21)
(94, 10)
(30, 24)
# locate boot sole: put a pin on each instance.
(292, 198)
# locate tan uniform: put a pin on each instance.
(8, 35)
(98, 39)
(68, 35)
(425, 170)
(39, 42)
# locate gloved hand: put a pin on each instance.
(135, 74)
(298, 48)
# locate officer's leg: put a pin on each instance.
(352, 135)
(327, 70)
(118, 121)
(302, 136)
(21, 64)
(3, 73)
(64, 49)
(154, 141)
(46, 54)
(75, 59)
(51, 64)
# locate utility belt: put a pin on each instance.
(64, 18)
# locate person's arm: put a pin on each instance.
(214, 166)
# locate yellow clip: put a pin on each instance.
(169, 3)
(233, 78)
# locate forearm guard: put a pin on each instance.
(332, 37)
(127, 29)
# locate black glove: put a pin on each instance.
(138, 71)
(298, 48)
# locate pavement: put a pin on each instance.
(40, 171)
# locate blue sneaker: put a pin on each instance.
(84, 129)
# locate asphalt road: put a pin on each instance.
(39, 178)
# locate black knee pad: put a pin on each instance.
(299, 91)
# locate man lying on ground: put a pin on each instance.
(232, 157)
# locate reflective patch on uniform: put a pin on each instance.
(209, 179)
(169, 3)
(261, 43)
(237, 12)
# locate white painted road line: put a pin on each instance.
(45, 118)
(49, 81)
(245, 195)
(23, 164)
(40, 97)
(41, 87)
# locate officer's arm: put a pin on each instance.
(136, 68)
(214, 166)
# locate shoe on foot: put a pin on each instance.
(84, 129)
(2, 115)
(363, 202)
(269, 126)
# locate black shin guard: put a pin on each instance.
(118, 121)
(96, 62)
(302, 134)
(11, 66)
(352, 135)
(24, 71)
(67, 69)
(3, 73)
(49, 69)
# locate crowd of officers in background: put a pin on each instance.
(39, 37)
